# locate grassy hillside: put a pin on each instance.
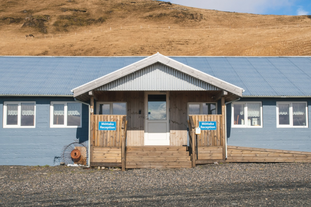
(132, 27)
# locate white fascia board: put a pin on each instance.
(152, 60)
(201, 76)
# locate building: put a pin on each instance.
(251, 109)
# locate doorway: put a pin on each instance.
(157, 130)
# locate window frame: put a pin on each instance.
(201, 108)
(246, 114)
(291, 115)
(65, 114)
(111, 104)
(19, 113)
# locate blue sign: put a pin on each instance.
(107, 126)
(208, 125)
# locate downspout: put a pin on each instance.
(226, 144)
(89, 134)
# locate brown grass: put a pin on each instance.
(122, 28)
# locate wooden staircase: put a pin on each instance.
(157, 157)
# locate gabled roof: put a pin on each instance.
(157, 58)
(56, 76)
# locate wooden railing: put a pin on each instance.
(110, 139)
(207, 138)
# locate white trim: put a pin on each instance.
(65, 114)
(19, 111)
(291, 122)
(246, 114)
(155, 121)
(110, 107)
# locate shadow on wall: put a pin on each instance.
(228, 121)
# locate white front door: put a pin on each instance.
(157, 130)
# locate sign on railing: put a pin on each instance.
(107, 125)
(208, 125)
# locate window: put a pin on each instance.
(292, 114)
(65, 114)
(202, 108)
(247, 114)
(19, 114)
(111, 108)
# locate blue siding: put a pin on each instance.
(40, 145)
(270, 137)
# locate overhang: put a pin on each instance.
(199, 81)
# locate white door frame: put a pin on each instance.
(146, 134)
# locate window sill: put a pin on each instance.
(19, 127)
(248, 127)
(299, 127)
(68, 127)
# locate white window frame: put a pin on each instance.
(65, 114)
(201, 108)
(19, 113)
(111, 109)
(291, 122)
(246, 114)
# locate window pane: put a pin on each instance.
(73, 114)
(209, 108)
(239, 114)
(12, 114)
(283, 114)
(194, 109)
(299, 114)
(58, 114)
(28, 114)
(119, 108)
(104, 108)
(254, 114)
(156, 107)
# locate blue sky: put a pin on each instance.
(278, 7)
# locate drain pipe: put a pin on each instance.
(226, 144)
(89, 133)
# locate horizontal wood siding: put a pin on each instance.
(157, 157)
(105, 155)
(248, 154)
(210, 153)
(269, 136)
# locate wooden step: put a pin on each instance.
(168, 159)
(156, 148)
(156, 154)
(157, 157)
(185, 164)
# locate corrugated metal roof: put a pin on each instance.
(158, 77)
(259, 76)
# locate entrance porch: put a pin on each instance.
(126, 146)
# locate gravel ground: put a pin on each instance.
(208, 185)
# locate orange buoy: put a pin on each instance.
(75, 155)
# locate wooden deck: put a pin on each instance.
(109, 149)
(248, 154)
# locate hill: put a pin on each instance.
(136, 27)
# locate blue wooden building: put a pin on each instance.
(261, 106)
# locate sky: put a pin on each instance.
(277, 7)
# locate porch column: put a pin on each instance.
(223, 120)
